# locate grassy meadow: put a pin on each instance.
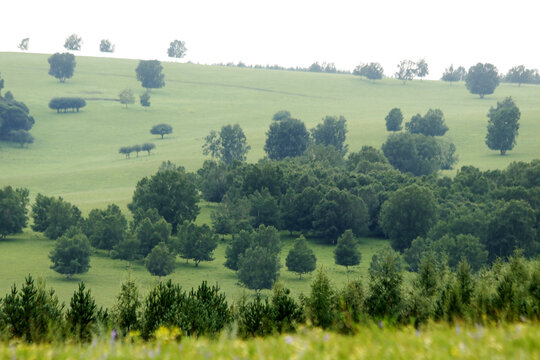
(75, 155)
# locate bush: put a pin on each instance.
(63, 104)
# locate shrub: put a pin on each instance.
(63, 104)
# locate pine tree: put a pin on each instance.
(346, 252)
(301, 258)
(81, 314)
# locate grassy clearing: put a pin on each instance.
(436, 342)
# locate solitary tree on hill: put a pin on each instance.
(301, 259)
(422, 68)
(106, 46)
(126, 97)
(503, 126)
(346, 252)
(482, 79)
(73, 42)
(23, 45)
(62, 66)
(161, 129)
(149, 74)
(394, 120)
(177, 49)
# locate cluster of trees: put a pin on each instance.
(127, 150)
(63, 104)
(371, 71)
(419, 150)
(521, 75)
(407, 70)
(505, 291)
(15, 119)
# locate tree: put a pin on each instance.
(127, 306)
(148, 147)
(177, 49)
(228, 146)
(81, 315)
(258, 267)
(406, 71)
(301, 258)
(150, 232)
(503, 126)
(62, 66)
(451, 75)
(171, 192)
(520, 75)
(149, 74)
(408, 213)
(332, 131)
(71, 253)
(73, 42)
(14, 115)
(54, 216)
(482, 79)
(126, 97)
(319, 303)
(21, 137)
(431, 124)
(160, 262)
(415, 153)
(105, 228)
(264, 209)
(126, 150)
(286, 138)
(371, 71)
(196, 242)
(394, 120)
(65, 103)
(106, 46)
(214, 180)
(422, 68)
(281, 115)
(346, 252)
(13, 218)
(161, 129)
(23, 45)
(145, 99)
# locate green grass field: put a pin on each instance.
(505, 341)
(75, 155)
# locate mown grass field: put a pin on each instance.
(75, 155)
(435, 342)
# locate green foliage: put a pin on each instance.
(301, 258)
(406, 71)
(371, 71)
(196, 242)
(281, 115)
(385, 282)
(521, 75)
(422, 68)
(32, 314)
(346, 252)
(71, 253)
(332, 131)
(63, 104)
(228, 146)
(404, 226)
(415, 153)
(431, 124)
(149, 74)
(264, 209)
(14, 115)
(287, 314)
(160, 262)
(106, 46)
(127, 249)
(161, 129)
(482, 79)
(177, 49)
(62, 66)
(394, 120)
(82, 314)
(230, 216)
(126, 97)
(171, 192)
(148, 147)
(13, 211)
(105, 228)
(23, 45)
(452, 75)
(127, 307)
(503, 126)
(255, 318)
(73, 42)
(163, 307)
(258, 267)
(145, 99)
(286, 138)
(54, 216)
(21, 137)
(319, 303)
(214, 180)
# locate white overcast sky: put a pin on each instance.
(288, 33)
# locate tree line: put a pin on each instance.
(503, 292)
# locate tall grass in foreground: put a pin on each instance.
(435, 341)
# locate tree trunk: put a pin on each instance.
(197, 263)
(503, 152)
(162, 136)
(300, 276)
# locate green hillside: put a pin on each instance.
(76, 155)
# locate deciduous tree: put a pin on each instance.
(346, 252)
(394, 120)
(106, 46)
(406, 71)
(228, 145)
(62, 66)
(126, 97)
(482, 79)
(286, 138)
(71, 253)
(149, 74)
(177, 49)
(331, 132)
(160, 261)
(196, 242)
(23, 45)
(301, 258)
(503, 126)
(431, 124)
(21, 137)
(13, 203)
(73, 42)
(161, 129)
